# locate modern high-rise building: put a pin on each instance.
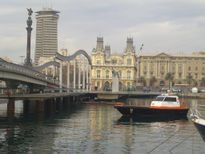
(46, 33)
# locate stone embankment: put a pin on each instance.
(192, 95)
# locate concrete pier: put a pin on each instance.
(40, 106)
(11, 108)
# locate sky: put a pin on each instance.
(169, 26)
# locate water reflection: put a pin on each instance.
(18, 108)
(132, 120)
(96, 128)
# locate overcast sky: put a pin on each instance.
(170, 26)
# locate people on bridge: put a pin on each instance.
(8, 92)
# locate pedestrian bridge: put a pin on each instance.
(44, 96)
(14, 74)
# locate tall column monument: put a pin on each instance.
(29, 29)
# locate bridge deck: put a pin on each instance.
(102, 95)
(41, 96)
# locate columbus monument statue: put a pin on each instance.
(28, 61)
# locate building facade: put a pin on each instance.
(105, 65)
(186, 69)
(46, 34)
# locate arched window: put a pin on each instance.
(114, 61)
(98, 73)
(128, 86)
(119, 74)
(98, 62)
(107, 86)
(107, 74)
(128, 75)
(129, 61)
(98, 84)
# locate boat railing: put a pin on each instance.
(198, 111)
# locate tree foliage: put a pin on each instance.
(152, 80)
(169, 76)
(142, 80)
(189, 79)
(203, 81)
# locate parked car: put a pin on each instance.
(146, 89)
(176, 90)
(164, 89)
(202, 91)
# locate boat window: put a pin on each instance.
(159, 98)
(170, 99)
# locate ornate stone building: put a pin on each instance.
(105, 64)
(180, 65)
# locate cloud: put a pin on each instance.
(12, 47)
(9, 11)
(168, 26)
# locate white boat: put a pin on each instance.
(199, 122)
(166, 100)
(163, 106)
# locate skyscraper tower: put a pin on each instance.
(46, 33)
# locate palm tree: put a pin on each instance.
(203, 81)
(142, 80)
(189, 79)
(152, 80)
(169, 77)
(195, 83)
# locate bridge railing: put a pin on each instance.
(27, 71)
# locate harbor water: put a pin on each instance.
(96, 128)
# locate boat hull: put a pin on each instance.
(127, 110)
(201, 129)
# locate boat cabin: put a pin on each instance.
(165, 101)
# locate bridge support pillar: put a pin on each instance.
(90, 78)
(32, 107)
(54, 71)
(56, 104)
(47, 73)
(52, 106)
(74, 99)
(83, 74)
(74, 75)
(61, 76)
(68, 76)
(66, 103)
(11, 108)
(26, 106)
(87, 77)
(40, 106)
(48, 107)
(79, 73)
(59, 104)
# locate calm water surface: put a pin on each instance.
(96, 128)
